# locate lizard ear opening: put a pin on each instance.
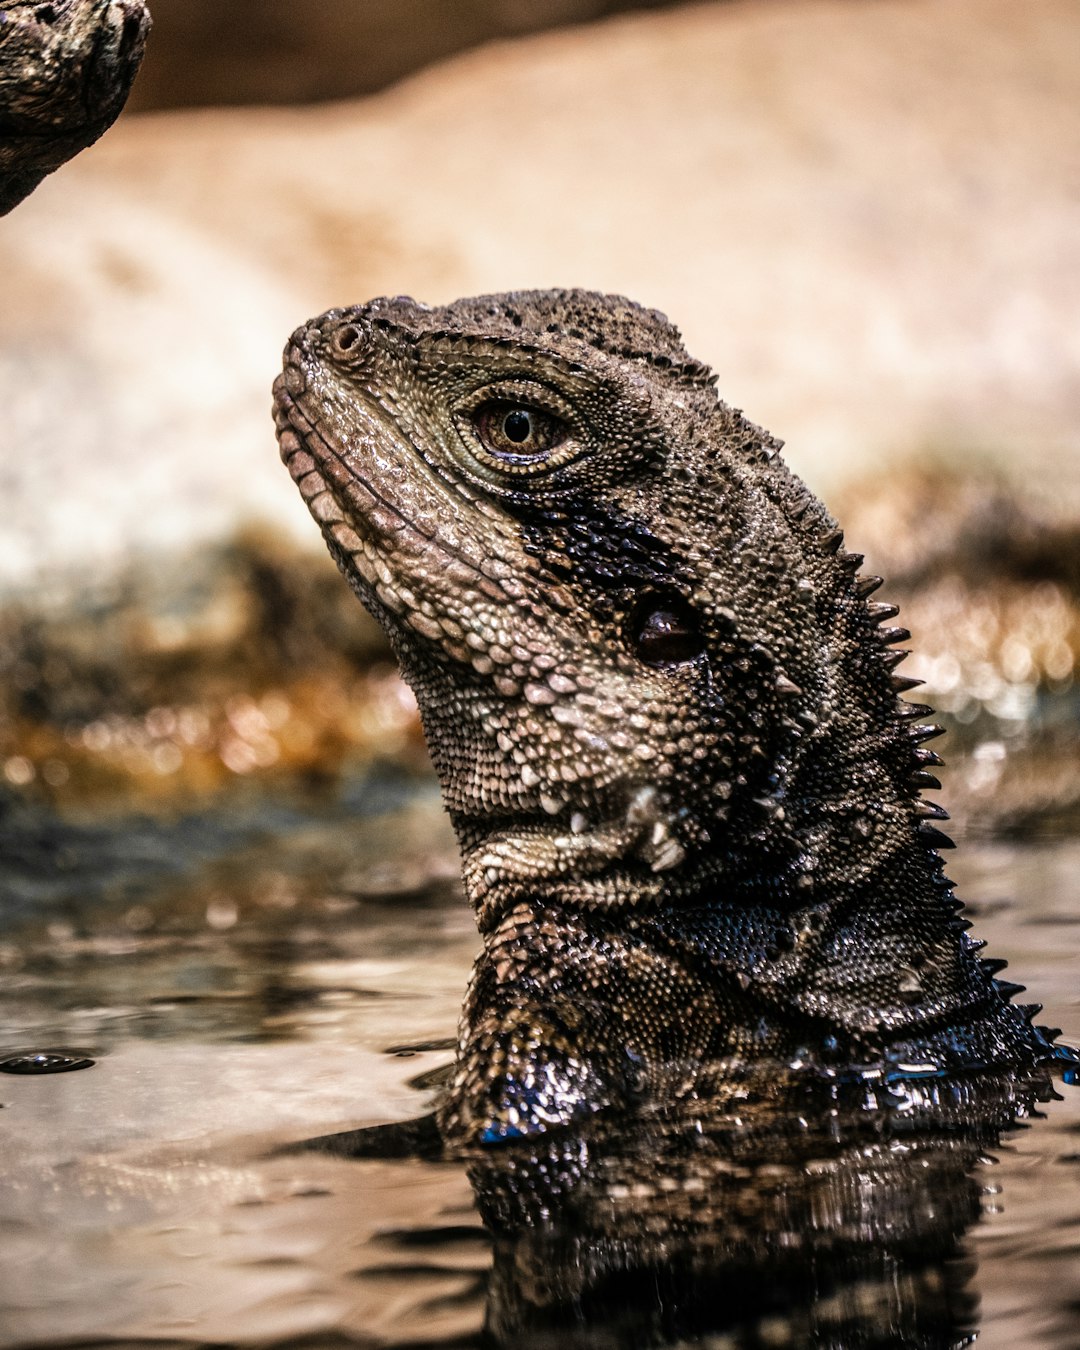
(664, 630)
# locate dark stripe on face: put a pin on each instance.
(612, 556)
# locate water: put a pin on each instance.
(289, 972)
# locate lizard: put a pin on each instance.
(66, 69)
(664, 708)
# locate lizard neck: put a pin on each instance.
(820, 918)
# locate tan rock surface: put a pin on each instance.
(867, 218)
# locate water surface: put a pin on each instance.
(249, 981)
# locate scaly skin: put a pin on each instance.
(661, 706)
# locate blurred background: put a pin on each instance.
(224, 870)
(863, 213)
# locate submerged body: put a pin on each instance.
(662, 706)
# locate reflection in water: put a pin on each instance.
(153, 1200)
(798, 1214)
(810, 1220)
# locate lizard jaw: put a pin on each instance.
(615, 863)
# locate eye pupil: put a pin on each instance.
(517, 426)
(517, 434)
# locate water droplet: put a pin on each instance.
(44, 1063)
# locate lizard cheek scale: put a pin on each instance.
(661, 705)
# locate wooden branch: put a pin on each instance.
(66, 68)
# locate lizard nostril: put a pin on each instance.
(346, 338)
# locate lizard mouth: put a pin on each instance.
(323, 475)
(391, 554)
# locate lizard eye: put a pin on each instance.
(516, 433)
(518, 427)
(664, 631)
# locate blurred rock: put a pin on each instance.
(989, 586)
(275, 51)
(864, 216)
(248, 661)
(939, 517)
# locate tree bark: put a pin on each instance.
(65, 72)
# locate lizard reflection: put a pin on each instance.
(781, 1214)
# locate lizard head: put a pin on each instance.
(605, 588)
